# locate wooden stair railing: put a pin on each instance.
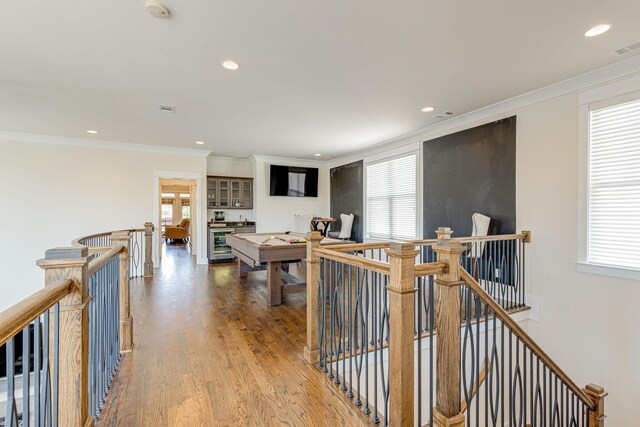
(66, 390)
(342, 332)
(592, 396)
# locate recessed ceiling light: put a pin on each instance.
(92, 131)
(597, 30)
(427, 109)
(200, 142)
(318, 154)
(230, 65)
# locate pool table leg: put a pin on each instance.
(274, 283)
(243, 268)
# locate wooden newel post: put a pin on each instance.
(73, 368)
(447, 410)
(311, 350)
(597, 395)
(121, 239)
(401, 328)
(148, 249)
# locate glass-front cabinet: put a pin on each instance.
(236, 188)
(246, 198)
(223, 194)
(229, 193)
(212, 193)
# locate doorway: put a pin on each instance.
(177, 202)
(176, 196)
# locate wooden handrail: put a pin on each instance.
(470, 239)
(17, 317)
(519, 236)
(361, 246)
(370, 264)
(99, 249)
(97, 263)
(76, 241)
(428, 242)
(501, 314)
(430, 268)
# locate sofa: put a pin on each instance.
(180, 231)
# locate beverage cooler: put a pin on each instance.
(219, 250)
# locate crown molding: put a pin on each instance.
(289, 160)
(226, 159)
(109, 145)
(614, 72)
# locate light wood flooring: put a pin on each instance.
(209, 352)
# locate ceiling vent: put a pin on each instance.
(156, 9)
(627, 49)
(444, 115)
(167, 108)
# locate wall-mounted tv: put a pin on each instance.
(293, 181)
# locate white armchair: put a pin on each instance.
(346, 224)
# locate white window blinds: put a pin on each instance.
(614, 185)
(391, 199)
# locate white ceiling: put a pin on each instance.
(316, 76)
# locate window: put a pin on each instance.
(391, 198)
(167, 212)
(186, 206)
(613, 221)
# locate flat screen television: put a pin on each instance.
(293, 181)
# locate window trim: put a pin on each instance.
(617, 92)
(377, 160)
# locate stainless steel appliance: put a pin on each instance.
(219, 250)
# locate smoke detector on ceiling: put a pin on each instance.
(156, 9)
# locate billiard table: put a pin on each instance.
(257, 251)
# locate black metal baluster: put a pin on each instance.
(37, 366)
(511, 391)
(524, 388)
(418, 314)
(360, 339)
(56, 363)
(331, 317)
(545, 396)
(375, 292)
(523, 289)
(384, 325)
(487, 364)
(368, 297)
(477, 316)
(502, 394)
(351, 342)
(26, 376)
(11, 414)
(431, 367)
(327, 280)
(45, 410)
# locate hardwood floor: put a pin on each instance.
(209, 352)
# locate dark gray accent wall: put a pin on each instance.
(346, 194)
(471, 171)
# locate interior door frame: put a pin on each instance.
(198, 211)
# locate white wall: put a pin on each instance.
(54, 193)
(276, 213)
(227, 166)
(587, 322)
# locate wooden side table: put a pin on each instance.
(315, 225)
